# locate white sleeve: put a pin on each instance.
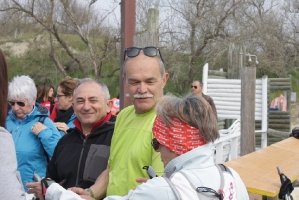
(242, 192)
(56, 192)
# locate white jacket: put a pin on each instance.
(56, 192)
(11, 184)
(199, 162)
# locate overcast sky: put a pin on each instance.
(108, 5)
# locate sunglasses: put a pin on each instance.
(155, 144)
(148, 51)
(19, 103)
(194, 86)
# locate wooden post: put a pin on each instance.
(127, 35)
(236, 57)
(248, 76)
(151, 36)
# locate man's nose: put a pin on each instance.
(86, 105)
(142, 88)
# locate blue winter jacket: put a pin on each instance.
(30, 148)
(69, 124)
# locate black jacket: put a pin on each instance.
(80, 161)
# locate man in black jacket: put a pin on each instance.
(82, 154)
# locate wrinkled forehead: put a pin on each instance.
(89, 89)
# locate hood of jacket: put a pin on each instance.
(37, 111)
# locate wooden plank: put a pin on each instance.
(279, 79)
(217, 73)
(280, 88)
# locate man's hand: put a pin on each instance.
(142, 180)
(36, 189)
(79, 191)
(86, 197)
(37, 128)
(61, 126)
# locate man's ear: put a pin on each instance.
(165, 78)
(109, 105)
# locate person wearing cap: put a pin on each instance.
(184, 130)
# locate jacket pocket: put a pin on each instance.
(96, 161)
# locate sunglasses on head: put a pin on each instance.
(194, 86)
(19, 103)
(155, 144)
(148, 51)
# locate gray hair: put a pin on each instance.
(192, 110)
(161, 66)
(22, 87)
(104, 87)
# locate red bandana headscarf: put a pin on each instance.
(179, 138)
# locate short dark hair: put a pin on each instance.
(200, 82)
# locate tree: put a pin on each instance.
(61, 19)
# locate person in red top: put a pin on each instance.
(115, 106)
(47, 99)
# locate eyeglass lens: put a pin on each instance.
(148, 51)
(194, 86)
(19, 103)
(155, 144)
(57, 95)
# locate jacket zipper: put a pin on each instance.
(78, 170)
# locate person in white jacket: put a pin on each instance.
(10, 184)
(183, 130)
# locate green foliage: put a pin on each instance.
(295, 81)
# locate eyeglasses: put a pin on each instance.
(59, 95)
(194, 86)
(155, 144)
(148, 51)
(19, 103)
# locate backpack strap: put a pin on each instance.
(42, 119)
(201, 190)
(176, 192)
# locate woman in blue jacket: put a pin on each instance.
(64, 98)
(35, 135)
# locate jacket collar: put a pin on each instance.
(202, 156)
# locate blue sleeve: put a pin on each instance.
(49, 137)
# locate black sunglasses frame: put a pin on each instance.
(155, 144)
(19, 103)
(194, 86)
(150, 51)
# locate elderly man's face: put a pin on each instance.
(21, 107)
(89, 104)
(144, 82)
